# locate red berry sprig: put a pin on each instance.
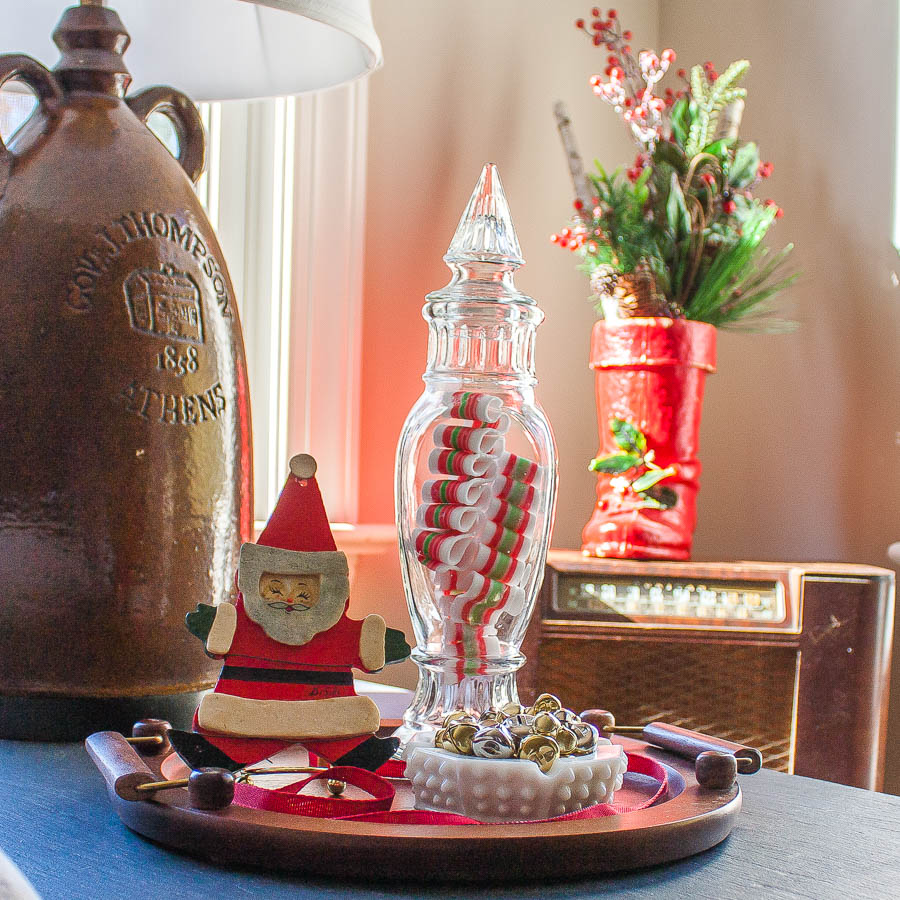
(631, 79)
(779, 212)
(710, 71)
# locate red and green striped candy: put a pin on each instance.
(475, 407)
(490, 599)
(519, 468)
(463, 437)
(516, 492)
(510, 516)
(512, 543)
(440, 546)
(493, 564)
(459, 462)
(467, 491)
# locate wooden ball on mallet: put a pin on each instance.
(715, 769)
(150, 737)
(210, 788)
(602, 719)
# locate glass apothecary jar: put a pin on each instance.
(476, 475)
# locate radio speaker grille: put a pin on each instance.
(740, 693)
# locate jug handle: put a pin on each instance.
(183, 114)
(40, 79)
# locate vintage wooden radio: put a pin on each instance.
(793, 659)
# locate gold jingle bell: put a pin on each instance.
(511, 709)
(546, 703)
(545, 723)
(335, 786)
(588, 736)
(460, 734)
(458, 715)
(519, 726)
(541, 749)
(439, 736)
(567, 740)
(519, 719)
(494, 742)
(491, 717)
(519, 732)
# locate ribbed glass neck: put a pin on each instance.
(481, 339)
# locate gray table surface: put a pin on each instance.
(795, 837)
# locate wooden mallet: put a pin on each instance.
(208, 788)
(131, 779)
(716, 762)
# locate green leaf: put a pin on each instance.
(719, 148)
(677, 214)
(628, 437)
(644, 177)
(680, 120)
(667, 152)
(746, 162)
(659, 498)
(648, 479)
(614, 464)
(640, 190)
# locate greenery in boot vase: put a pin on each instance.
(679, 233)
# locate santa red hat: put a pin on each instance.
(297, 540)
(298, 521)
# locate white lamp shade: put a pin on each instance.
(221, 49)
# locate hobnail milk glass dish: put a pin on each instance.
(513, 790)
(474, 519)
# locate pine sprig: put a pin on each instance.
(709, 101)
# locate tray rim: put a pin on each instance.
(692, 821)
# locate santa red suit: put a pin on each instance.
(287, 666)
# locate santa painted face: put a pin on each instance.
(290, 593)
(293, 595)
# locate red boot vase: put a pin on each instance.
(650, 374)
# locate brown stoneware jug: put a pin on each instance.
(125, 456)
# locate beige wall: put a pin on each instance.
(801, 433)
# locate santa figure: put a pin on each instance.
(289, 648)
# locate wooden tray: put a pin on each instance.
(688, 820)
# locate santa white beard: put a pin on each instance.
(298, 626)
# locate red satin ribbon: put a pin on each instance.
(289, 800)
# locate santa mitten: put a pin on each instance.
(200, 621)
(395, 647)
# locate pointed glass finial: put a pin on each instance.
(485, 232)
